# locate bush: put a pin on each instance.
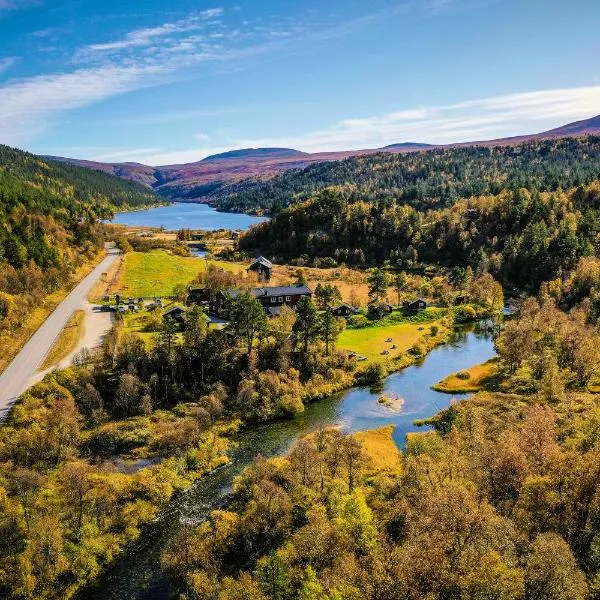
(358, 321)
(466, 313)
(463, 375)
(372, 375)
(417, 350)
(434, 330)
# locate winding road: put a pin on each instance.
(20, 374)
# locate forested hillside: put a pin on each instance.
(48, 214)
(432, 179)
(519, 236)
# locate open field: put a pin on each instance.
(472, 380)
(371, 341)
(157, 272)
(382, 451)
(67, 341)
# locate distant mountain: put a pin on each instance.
(408, 146)
(585, 127)
(258, 153)
(202, 181)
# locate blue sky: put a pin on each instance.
(166, 82)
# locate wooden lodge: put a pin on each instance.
(177, 313)
(271, 298)
(414, 307)
(262, 267)
(382, 309)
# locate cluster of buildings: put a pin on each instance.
(274, 298)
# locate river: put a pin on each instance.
(186, 215)
(137, 575)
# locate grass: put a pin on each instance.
(371, 341)
(478, 376)
(156, 273)
(381, 450)
(66, 341)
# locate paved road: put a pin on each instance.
(20, 373)
(96, 324)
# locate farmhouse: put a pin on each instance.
(414, 307)
(343, 310)
(271, 298)
(262, 267)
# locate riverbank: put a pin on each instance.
(137, 572)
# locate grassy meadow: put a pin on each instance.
(157, 272)
(371, 341)
(469, 380)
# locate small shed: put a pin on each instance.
(343, 310)
(262, 267)
(381, 309)
(414, 307)
(177, 313)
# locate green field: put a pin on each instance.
(157, 272)
(371, 341)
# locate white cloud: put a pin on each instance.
(6, 5)
(25, 105)
(202, 137)
(7, 62)
(144, 58)
(144, 37)
(501, 116)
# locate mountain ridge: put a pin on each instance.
(197, 181)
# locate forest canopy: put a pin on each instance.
(429, 179)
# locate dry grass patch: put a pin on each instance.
(469, 380)
(13, 342)
(66, 341)
(381, 450)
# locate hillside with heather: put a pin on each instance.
(222, 179)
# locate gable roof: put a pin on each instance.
(261, 261)
(299, 289)
(343, 305)
(174, 309)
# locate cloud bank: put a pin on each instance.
(489, 118)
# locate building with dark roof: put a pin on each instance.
(414, 307)
(270, 297)
(262, 267)
(343, 310)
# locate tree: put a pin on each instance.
(311, 588)
(400, 281)
(307, 321)
(195, 327)
(128, 394)
(25, 484)
(274, 577)
(330, 329)
(551, 572)
(378, 285)
(326, 295)
(247, 318)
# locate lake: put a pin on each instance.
(137, 575)
(186, 215)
